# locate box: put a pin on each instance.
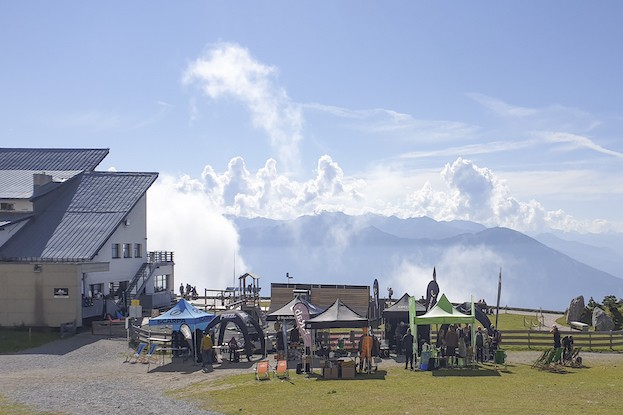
(330, 372)
(348, 372)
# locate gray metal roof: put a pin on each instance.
(17, 184)
(73, 221)
(43, 159)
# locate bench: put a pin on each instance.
(578, 325)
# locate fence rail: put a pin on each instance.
(585, 339)
(109, 328)
(531, 339)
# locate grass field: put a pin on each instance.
(518, 389)
(13, 340)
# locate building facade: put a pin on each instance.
(73, 240)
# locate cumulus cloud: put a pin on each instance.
(270, 194)
(181, 218)
(193, 219)
(228, 70)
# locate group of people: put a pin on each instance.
(189, 293)
(207, 350)
(455, 342)
(566, 343)
(487, 342)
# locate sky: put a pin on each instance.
(504, 113)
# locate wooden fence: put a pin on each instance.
(532, 339)
(586, 339)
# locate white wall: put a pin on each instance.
(123, 269)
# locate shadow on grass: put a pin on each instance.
(377, 375)
(478, 372)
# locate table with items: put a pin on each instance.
(340, 368)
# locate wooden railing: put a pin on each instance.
(532, 339)
(590, 340)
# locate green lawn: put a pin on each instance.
(518, 389)
(15, 340)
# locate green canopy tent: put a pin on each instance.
(443, 312)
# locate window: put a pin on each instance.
(7, 206)
(138, 251)
(160, 283)
(115, 251)
(127, 253)
(96, 290)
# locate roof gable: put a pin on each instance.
(78, 217)
(44, 159)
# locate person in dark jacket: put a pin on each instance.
(557, 343)
(452, 342)
(407, 344)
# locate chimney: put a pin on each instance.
(39, 180)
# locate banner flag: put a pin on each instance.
(497, 309)
(301, 315)
(375, 290)
(432, 291)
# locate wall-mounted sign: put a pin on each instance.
(61, 293)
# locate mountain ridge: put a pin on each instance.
(331, 248)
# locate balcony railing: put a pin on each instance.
(160, 256)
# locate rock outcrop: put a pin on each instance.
(601, 320)
(576, 308)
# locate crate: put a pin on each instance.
(348, 372)
(330, 372)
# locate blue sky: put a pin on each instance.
(506, 113)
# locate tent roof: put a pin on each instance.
(183, 312)
(286, 313)
(401, 308)
(444, 313)
(339, 315)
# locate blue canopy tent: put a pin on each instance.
(184, 317)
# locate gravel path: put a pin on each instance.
(86, 374)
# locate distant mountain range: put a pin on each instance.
(334, 248)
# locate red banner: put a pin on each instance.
(301, 315)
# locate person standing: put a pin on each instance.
(480, 342)
(407, 344)
(366, 350)
(233, 350)
(206, 352)
(557, 345)
(452, 342)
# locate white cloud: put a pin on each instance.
(228, 70)
(385, 122)
(575, 141)
(461, 190)
(461, 272)
(182, 219)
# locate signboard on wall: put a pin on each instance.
(61, 292)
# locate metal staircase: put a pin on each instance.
(137, 285)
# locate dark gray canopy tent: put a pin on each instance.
(286, 313)
(249, 328)
(339, 315)
(400, 309)
(399, 313)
